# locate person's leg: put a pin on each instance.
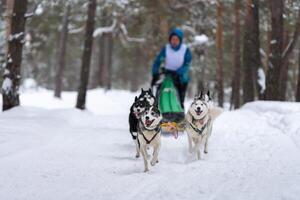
(182, 91)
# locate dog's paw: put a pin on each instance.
(153, 162)
(206, 152)
(146, 170)
(137, 155)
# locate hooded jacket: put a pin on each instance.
(183, 61)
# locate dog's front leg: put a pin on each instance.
(144, 154)
(206, 145)
(155, 154)
(137, 148)
(190, 143)
(197, 148)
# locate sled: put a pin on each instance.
(169, 105)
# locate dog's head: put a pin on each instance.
(151, 118)
(139, 106)
(200, 106)
(147, 95)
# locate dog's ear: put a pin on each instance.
(142, 90)
(208, 94)
(150, 91)
(201, 95)
(155, 104)
(135, 99)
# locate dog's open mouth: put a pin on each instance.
(149, 122)
(198, 112)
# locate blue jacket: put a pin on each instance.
(183, 71)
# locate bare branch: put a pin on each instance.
(293, 41)
(130, 39)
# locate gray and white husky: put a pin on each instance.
(149, 134)
(199, 121)
(136, 110)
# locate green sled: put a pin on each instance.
(169, 103)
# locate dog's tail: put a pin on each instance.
(214, 112)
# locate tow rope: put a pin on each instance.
(171, 127)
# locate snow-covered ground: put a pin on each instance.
(49, 150)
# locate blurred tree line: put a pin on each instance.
(243, 50)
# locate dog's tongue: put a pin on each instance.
(198, 112)
(149, 122)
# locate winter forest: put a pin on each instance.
(71, 72)
(250, 54)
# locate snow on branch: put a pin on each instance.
(16, 36)
(191, 3)
(130, 39)
(7, 85)
(36, 10)
(108, 29)
(76, 30)
(261, 80)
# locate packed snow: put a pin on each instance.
(49, 150)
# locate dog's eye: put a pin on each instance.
(152, 113)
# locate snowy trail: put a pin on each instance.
(64, 153)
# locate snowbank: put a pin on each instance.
(49, 150)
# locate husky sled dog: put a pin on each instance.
(136, 110)
(149, 133)
(147, 95)
(199, 121)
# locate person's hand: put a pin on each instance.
(155, 78)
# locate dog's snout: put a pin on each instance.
(138, 110)
(198, 108)
(147, 118)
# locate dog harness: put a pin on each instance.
(200, 131)
(157, 130)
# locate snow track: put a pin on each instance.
(64, 153)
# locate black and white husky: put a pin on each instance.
(147, 95)
(136, 110)
(149, 134)
(199, 121)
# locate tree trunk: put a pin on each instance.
(289, 46)
(251, 54)
(110, 45)
(219, 46)
(11, 82)
(276, 44)
(86, 57)
(101, 68)
(8, 16)
(298, 84)
(134, 75)
(284, 70)
(62, 52)
(99, 76)
(235, 98)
